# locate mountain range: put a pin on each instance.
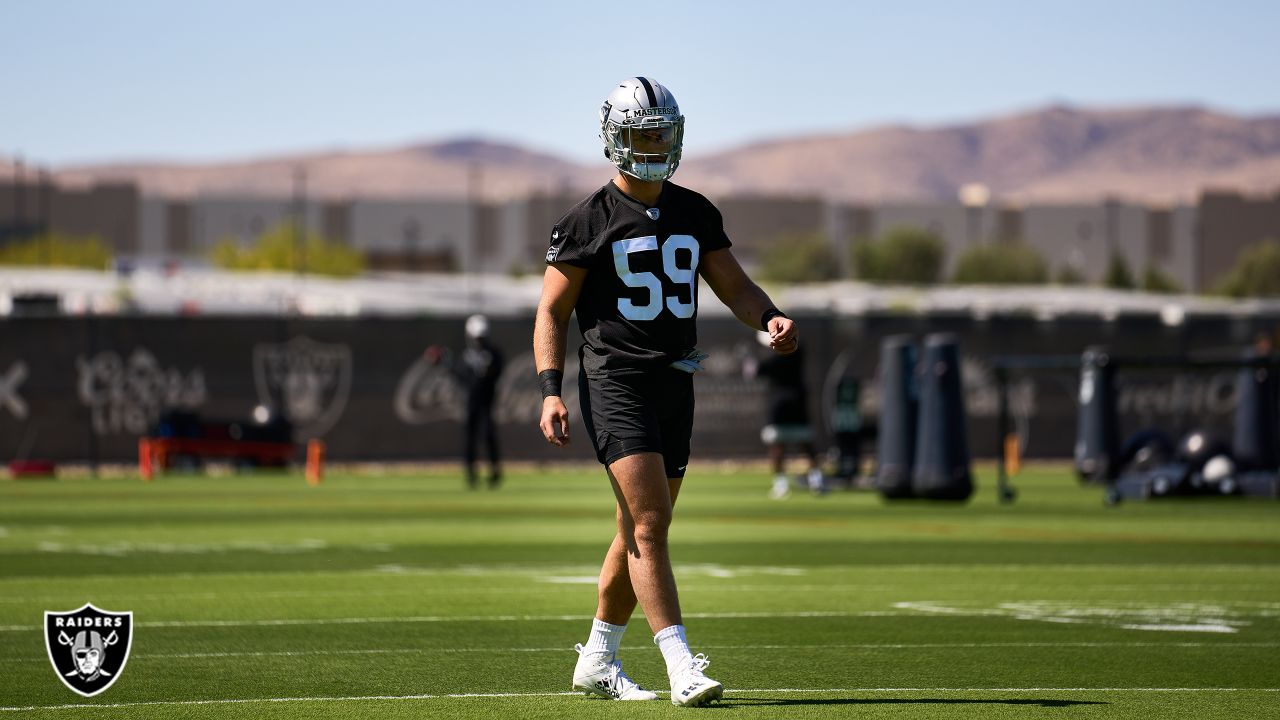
(1052, 154)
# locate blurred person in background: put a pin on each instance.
(786, 416)
(477, 371)
(627, 260)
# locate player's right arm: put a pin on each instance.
(560, 288)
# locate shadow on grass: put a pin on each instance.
(1036, 702)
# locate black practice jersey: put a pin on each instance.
(639, 302)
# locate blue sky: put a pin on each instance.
(128, 79)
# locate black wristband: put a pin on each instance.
(550, 381)
(768, 315)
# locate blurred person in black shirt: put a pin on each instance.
(477, 370)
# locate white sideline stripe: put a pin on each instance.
(474, 618)
(565, 648)
(691, 586)
(206, 578)
(904, 610)
(425, 696)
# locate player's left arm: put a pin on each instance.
(746, 299)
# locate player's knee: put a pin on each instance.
(650, 527)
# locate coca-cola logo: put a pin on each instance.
(428, 392)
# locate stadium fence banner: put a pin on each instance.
(80, 388)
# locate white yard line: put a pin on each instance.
(753, 691)
(902, 609)
(470, 618)
(525, 571)
(78, 597)
(565, 649)
(553, 583)
(1029, 611)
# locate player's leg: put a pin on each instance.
(624, 578)
(598, 670)
(469, 444)
(689, 686)
(491, 443)
(778, 464)
(815, 479)
(617, 599)
(644, 503)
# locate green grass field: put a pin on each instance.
(405, 596)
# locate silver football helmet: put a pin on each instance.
(642, 129)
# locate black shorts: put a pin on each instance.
(645, 412)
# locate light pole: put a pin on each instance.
(974, 197)
(412, 232)
(299, 217)
(475, 178)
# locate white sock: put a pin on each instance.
(604, 641)
(675, 649)
(781, 479)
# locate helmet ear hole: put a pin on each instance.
(606, 154)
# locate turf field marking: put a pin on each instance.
(470, 618)
(123, 549)
(1178, 617)
(415, 592)
(1253, 571)
(725, 571)
(592, 579)
(702, 569)
(1183, 628)
(745, 691)
(901, 609)
(564, 649)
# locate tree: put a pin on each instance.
(1013, 263)
(279, 249)
(55, 250)
(866, 260)
(903, 255)
(1119, 276)
(1153, 280)
(1070, 275)
(799, 259)
(1256, 273)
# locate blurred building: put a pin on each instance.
(1192, 245)
(37, 206)
(419, 236)
(756, 223)
(1228, 223)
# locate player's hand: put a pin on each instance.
(784, 338)
(555, 421)
(433, 354)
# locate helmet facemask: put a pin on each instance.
(647, 149)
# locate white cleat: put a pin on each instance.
(781, 489)
(817, 482)
(606, 679)
(690, 688)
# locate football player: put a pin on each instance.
(627, 260)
